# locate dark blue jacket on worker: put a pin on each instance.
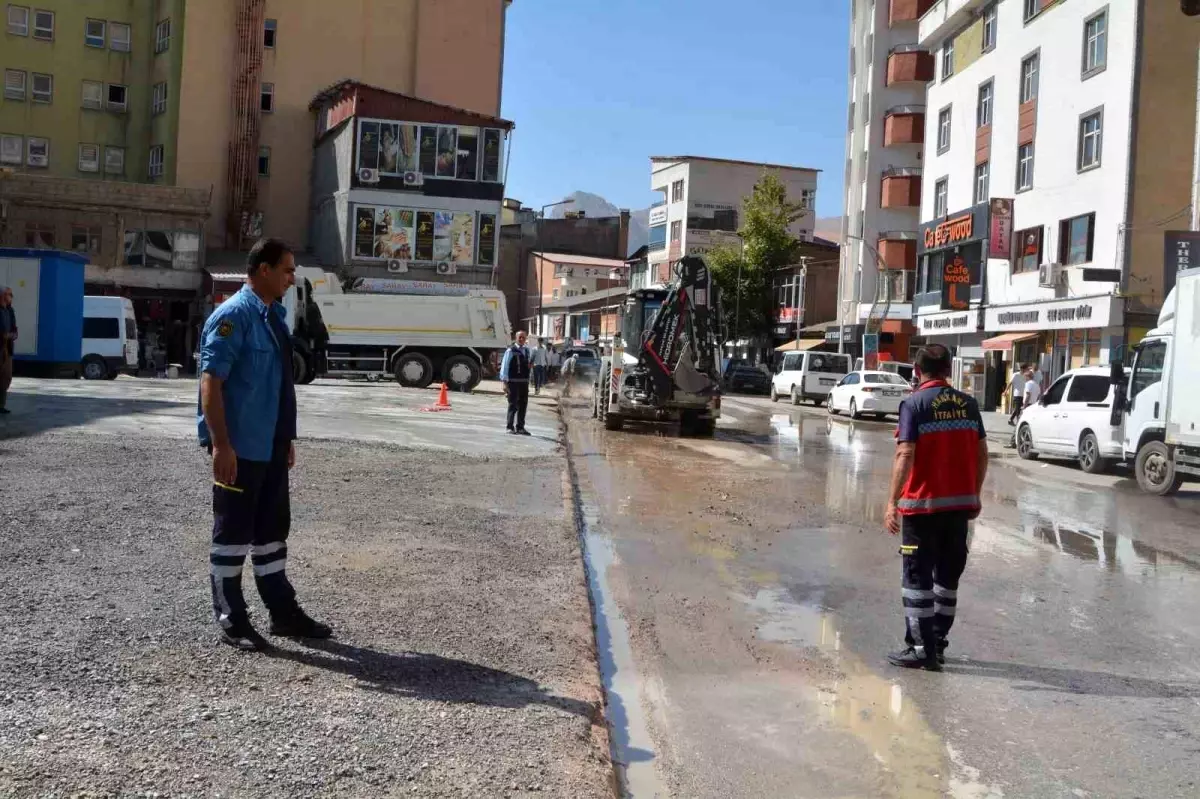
(247, 345)
(515, 367)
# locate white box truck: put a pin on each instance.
(416, 331)
(1158, 404)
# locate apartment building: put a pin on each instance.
(885, 142)
(1060, 138)
(702, 204)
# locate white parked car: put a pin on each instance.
(808, 375)
(1072, 421)
(878, 393)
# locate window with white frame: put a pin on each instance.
(37, 151)
(93, 94)
(677, 191)
(676, 231)
(43, 88)
(1025, 167)
(12, 149)
(18, 20)
(808, 199)
(94, 33)
(157, 159)
(1091, 140)
(270, 29)
(89, 158)
(943, 136)
(14, 84)
(941, 197)
(1032, 7)
(43, 25)
(118, 97)
(266, 98)
(989, 28)
(85, 239)
(947, 59)
(983, 108)
(120, 37)
(158, 102)
(114, 160)
(264, 162)
(982, 177)
(162, 36)
(1029, 79)
(1095, 44)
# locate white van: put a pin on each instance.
(110, 344)
(808, 375)
(1072, 420)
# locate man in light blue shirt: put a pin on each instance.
(514, 374)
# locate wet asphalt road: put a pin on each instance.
(750, 596)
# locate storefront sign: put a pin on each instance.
(1000, 229)
(956, 284)
(951, 323)
(658, 216)
(952, 231)
(487, 239)
(1103, 311)
(1181, 251)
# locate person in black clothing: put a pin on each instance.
(514, 373)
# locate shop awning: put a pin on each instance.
(1006, 341)
(800, 344)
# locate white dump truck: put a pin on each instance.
(416, 331)
(1157, 406)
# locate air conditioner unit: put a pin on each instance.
(446, 268)
(1050, 275)
(396, 265)
(414, 179)
(368, 175)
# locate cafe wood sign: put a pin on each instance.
(952, 231)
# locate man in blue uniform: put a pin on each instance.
(514, 374)
(247, 419)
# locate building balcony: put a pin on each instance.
(945, 17)
(901, 188)
(907, 10)
(909, 64)
(904, 124)
(898, 250)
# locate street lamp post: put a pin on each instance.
(538, 242)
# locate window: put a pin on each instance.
(119, 36)
(808, 201)
(93, 33)
(264, 162)
(117, 95)
(93, 94)
(468, 154)
(989, 28)
(100, 326)
(1029, 79)
(1054, 394)
(983, 108)
(12, 149)
(37, 151)
(947, 59)
(14, 84)
(982, 178)
(1029, 249)
(156, 161)
(1095, 44)
(941, 194)
(1025, 167)
(658, 238)
(114, 160)
(1031, 9)
(162, 36)
(158, 102)
(43, 88)
(266, 98)
(676, 231)
(89, 158)
(677, 191)
(40, 235)
(1090, 140)
(43, 25)
(554, 294)
(1089, 388)
(85, 240)
(18, 20)
(1075, 237)
(943, 139)
(269, 29)
(1148, 368)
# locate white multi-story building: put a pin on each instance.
(1079, 117)
(702, 205)
(888, 75)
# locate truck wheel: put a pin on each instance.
(462, 373)
(1155, 470)
(1025, 443)
(299, 367)
(413, 370)
(94, 368)
(113, 374)
(1090, 459)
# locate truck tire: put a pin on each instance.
(1090, 459)
(1155, 469)
(611, 421)
(94, 368)
(300, 368)
(462, 373)
(413, 370)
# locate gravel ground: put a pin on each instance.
(463, 663)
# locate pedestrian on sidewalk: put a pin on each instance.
(1016, 395)
(553, 362)
(568, 374)
(514, 374)
(8, 335)
(1033, 386)
(941, 461)
(539, 358)
(247, 420)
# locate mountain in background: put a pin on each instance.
(596, 207)
(829, 228)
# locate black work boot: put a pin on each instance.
(298, 624)
(240, 634)
(910, 658)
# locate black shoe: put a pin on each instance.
(909, 658)
(524, 432)
(298, 624)
(242, 635)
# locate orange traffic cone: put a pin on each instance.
(443, 401)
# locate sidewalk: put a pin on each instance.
(997, 427)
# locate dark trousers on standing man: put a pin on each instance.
(6, 365)
(518, 402)
(252, 517)
(1017, 404)
(934, 546)
(539, 377)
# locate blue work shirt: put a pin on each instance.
(521, 372)
(240, 347)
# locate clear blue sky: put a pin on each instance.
(596, 87)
